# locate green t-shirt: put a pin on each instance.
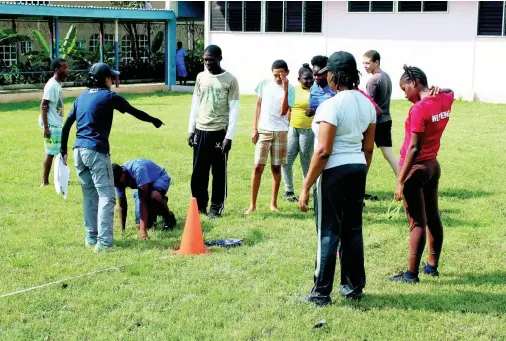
(215, 93)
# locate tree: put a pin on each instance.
(9, 36)
(130, 27)
(66, 47)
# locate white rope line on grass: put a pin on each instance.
(72, 278)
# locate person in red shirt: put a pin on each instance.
(419, 170)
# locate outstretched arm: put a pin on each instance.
(141, 115)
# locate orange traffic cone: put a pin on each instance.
(192, 242)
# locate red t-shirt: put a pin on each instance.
(430, 117)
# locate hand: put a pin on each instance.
(304, 200)
(309, 112)
(47, 132)
(285, 81)
(226, 146)
(157, 123)
(190, 139)
(254, 137)
(434, 90)
(399, 189)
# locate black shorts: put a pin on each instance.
(383, 136)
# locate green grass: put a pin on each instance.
(247, 293)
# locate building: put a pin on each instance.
(461, 45)
(14, 56)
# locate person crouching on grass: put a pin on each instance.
(270, 130)
(419, 170)
(152, 183)
(344, 127)
(93, 112)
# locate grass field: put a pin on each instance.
(247, 293)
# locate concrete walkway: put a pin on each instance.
(23, 95)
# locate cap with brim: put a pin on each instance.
(340, 61)
(103, 70)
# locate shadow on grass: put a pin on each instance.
(462, 301)
(458, 193)
(448, 217)
(493, 278)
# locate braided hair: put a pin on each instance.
(349, 78)
(304, 69)
(414, 74)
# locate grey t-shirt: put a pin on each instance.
(379, 87)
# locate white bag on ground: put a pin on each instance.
(61, 176)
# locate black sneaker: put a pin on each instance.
(170, 223)
(290, 196)
(429, 270)
(319, 301)
(353, 296)
(203, 211)
(404, 277)
(214, 215)
(371, 197)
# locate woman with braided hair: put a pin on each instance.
(419, 170)
(344, 128)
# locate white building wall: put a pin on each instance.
(444, 45)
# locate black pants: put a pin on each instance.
(207, 155)
(339, 194)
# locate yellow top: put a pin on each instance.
(299, 118)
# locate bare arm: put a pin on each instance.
(319, 160)
(44, 108)
(368, 144)
(254, 136)
(143, 198)
(415, 145)
(284, 105)
(123, 210)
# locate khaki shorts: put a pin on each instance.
(273, 142)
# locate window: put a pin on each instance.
(236, 16)
(8, 54)
(25, 46)
(422, 6)
(491, 18)
(95, 41)
(81, 44)
(293, 16)
(370, 6)
(127, 47)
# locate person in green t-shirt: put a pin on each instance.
(211, 129)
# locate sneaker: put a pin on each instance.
(405, 277)
(371, 197)
(100, 248)
(214, 215)
(171, 223)
(290, 196)
(319, 301)
(90, 243)
(203, 211)
(429, 270)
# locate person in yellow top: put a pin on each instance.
(300, 135)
